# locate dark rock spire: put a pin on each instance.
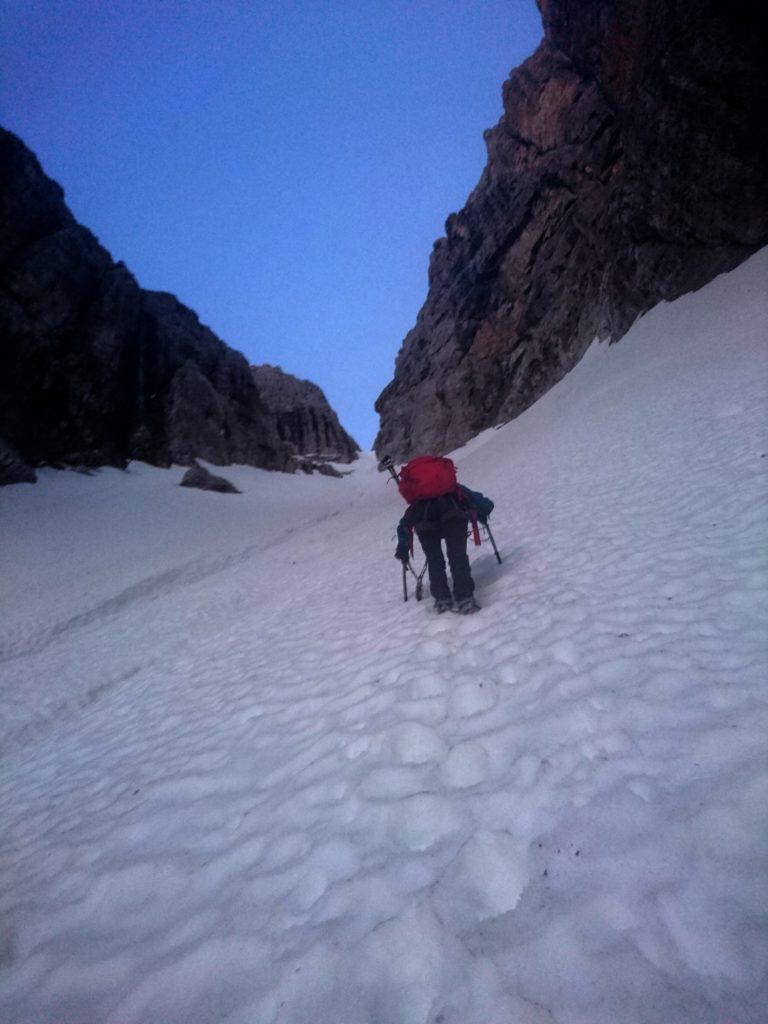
(304, 419)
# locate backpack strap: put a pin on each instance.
(466, 503)
(475, 528)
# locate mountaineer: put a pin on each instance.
(439, 509)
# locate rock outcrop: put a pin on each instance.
(199, 477)
(304, 419)
(13, 469)
(629, 167)
(95, 370)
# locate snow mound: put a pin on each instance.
(242, 781)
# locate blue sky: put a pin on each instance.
(282, 167)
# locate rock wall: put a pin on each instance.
(304, 419)
(95, 370)
(629, 167)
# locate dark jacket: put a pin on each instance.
(427, 514)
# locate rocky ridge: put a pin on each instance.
(629, 167)
(305, 421)
(94, 369)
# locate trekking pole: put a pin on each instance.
(405, 582)
(493, 542)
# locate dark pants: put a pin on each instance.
(454, 533)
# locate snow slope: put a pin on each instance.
(243, 782)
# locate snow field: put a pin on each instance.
(243, 782)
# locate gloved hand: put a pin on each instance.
(402, 554)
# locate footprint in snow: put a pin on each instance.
(420, 822)
(392, 782)
(426, 684)
(473, 698)
(467, 764)
(415, 743)
(486, 879)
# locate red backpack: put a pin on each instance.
(427, 477)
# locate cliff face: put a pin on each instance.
(304, 419)
(95, 370)
(629, 167)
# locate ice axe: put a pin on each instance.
(493, 542)
(419, 576)
(489, 535)
(389, 465)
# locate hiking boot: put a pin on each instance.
(468, 606)
(445, 604)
